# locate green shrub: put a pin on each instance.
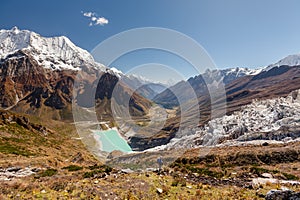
(11, 149)
(259, 170)
(92, 174)
(175, 183)
(72, 168)
(48, 172)
(178, 181)
(102, 168)
(89, 174)
(205, 171)
(290, 176)
(97, 171)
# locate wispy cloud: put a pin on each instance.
(95, 20)
(88, 14)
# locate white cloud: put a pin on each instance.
(95, 20)
(101, 21)
(88, 14)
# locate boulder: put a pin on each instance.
(266, 175)
(282, 195)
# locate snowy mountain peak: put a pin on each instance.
(291, 60)
(242, 71)
(52, 52)
(116, 72)
(15, 30)
(237, 71)
(229, 74)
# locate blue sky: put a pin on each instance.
(234, 32)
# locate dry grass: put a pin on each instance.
(87, 178)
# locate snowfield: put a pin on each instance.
(56, 53)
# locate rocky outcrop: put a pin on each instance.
(143, 143)
(10, 173)
(22, 79)
(282, 195)
(28, 87)
(10, 118)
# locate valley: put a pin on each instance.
(72, 128)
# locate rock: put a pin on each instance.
(284, 188)
(127, 171)
(35, 170)
(4, 179)
(13, 169)
(15, 172)
(266, 175)
(265, 144)
(287, 139)
(159, 190)
(282, 195)
(262, 181)
(115, 154)
(196, 174)
(77, 158)
(150, 169)
(23, 121)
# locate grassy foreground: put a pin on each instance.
(64, 169)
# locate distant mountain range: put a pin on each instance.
(37, 76)
(198, 84)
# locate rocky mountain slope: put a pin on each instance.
(198, 85)
(37, 76)
(276, 82)
(242, 86)
(272, 83)
(269, 120)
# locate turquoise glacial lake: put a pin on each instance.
(111, 140)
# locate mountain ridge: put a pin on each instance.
(290, 60)
(50, 52)
(38, 74)
(28, 86)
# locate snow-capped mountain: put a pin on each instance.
(52, 52)
(37, 76)
(229, 74)
(199, 84)
(291, 60)
(140, 84)
(241, 71)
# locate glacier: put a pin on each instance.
(263, 121)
